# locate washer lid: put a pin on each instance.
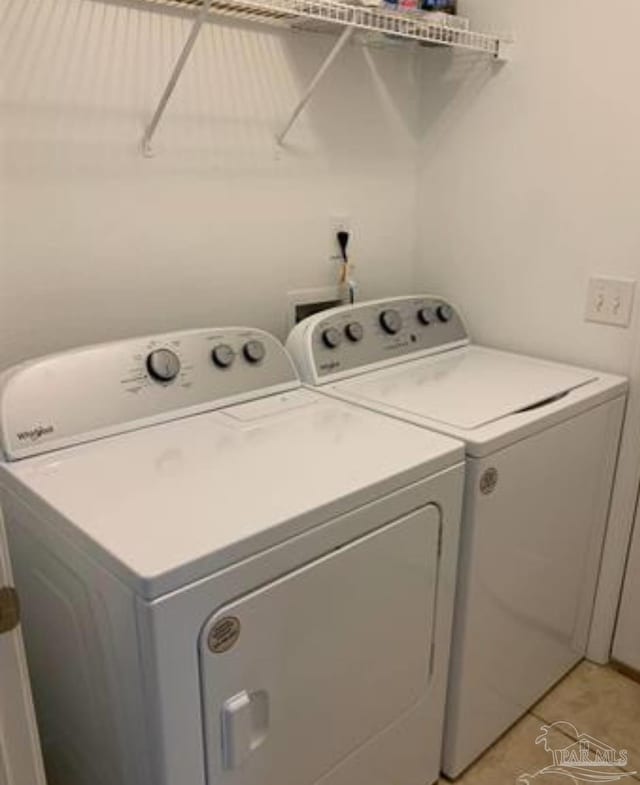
(165, 505)
(467, 388)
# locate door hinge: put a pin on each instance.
(9, 609)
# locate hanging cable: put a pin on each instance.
(345, 273)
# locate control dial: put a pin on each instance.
(331, 337)
(425, 316)
(391, 321)
(354, 331)
(223, 355)
(254, 351)
(445, 313)
(163, 365)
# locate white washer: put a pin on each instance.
(256, 595)
(541, 441)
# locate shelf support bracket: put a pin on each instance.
(338, 46)
(150, 130)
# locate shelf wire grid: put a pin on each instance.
(329, 14)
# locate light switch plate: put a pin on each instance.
(610, 301)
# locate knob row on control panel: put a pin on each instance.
(163, 365)
(223, 355)
(390, 321)
(332, 337)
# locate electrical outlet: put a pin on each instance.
(338, 222)
(610, 301)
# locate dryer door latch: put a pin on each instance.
(245, 721)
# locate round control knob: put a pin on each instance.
(254, 351)
(425, 316)
(331, 337)
(354, 331)
(163, 365)
(223, 355)
(391, 321)
(445, 313)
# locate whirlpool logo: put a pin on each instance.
(36, 433)
(330, 366)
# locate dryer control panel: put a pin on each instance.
(340, 342)
(110, 388)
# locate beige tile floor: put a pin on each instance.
(596, 700)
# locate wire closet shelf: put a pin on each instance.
(373, 23)
(410, 25)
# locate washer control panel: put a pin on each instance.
(350, 339)
(74, 396)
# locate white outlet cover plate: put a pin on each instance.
(610, 300)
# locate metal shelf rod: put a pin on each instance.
(150, 130)
(326, 65)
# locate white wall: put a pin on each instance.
(530, 183)
(531, 176)
(97, 242)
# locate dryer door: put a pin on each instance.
(301, 672)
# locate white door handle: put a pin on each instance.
(245, 719)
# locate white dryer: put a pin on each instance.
(541, 441)
(226, 579)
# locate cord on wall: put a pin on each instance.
(345, 275)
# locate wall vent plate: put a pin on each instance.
(306, 302)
